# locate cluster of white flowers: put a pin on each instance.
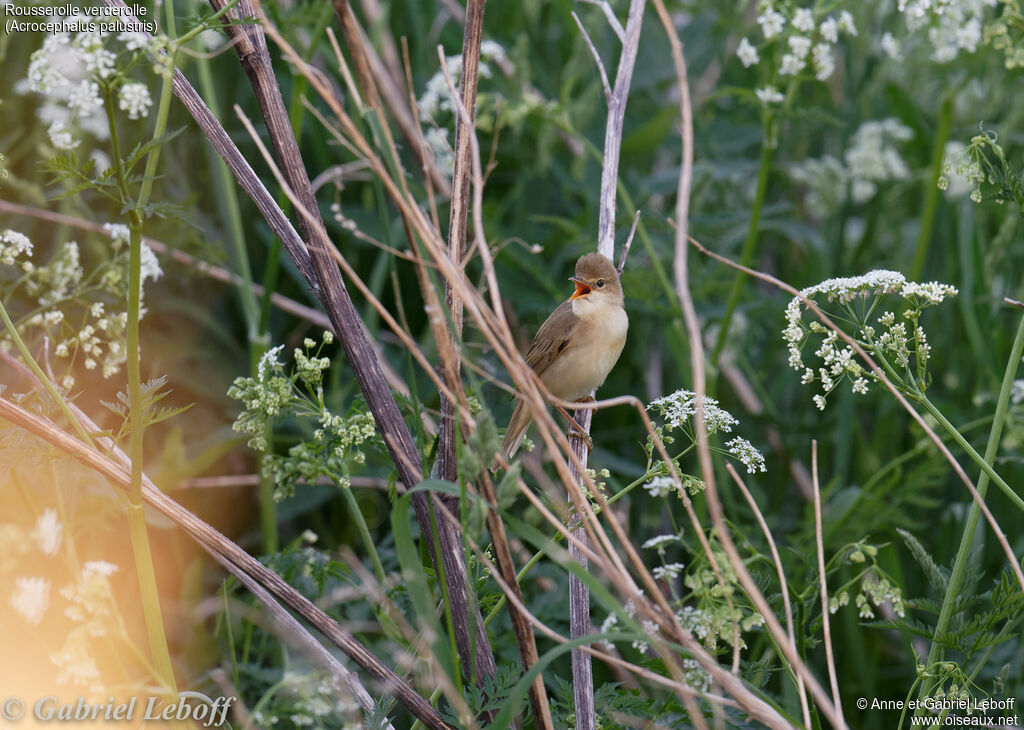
(953, 26)
(76, 662)
(67, 72)
(12, 245)
(31, 595)
(658, 542)
(89, 599)
(669, 571)
(307, 698)
(48, 532)
(92, 609)
(696, 676)
(678, 407)
(696, 621)
(134, 98)
(749, 456)
(31, 598)
(660, 486)
(55, 282)
(436, 102)
(437, 98)
(894, 342)
(871, 158)
(264, 397)
(98, 336)
(807, 43)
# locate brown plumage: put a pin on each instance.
(578, 345)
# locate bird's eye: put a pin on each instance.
(600, 283)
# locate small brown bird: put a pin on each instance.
(578, 345)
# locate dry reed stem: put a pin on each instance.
(615, 99)
(467, 178)
(820, 550)
(462, 174)
(805, 710)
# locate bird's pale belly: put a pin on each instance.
(584, 366)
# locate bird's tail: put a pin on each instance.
(516, 429)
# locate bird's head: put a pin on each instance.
(597, 281)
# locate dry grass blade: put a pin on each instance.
(823, 584)
(805, 710)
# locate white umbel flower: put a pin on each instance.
(31, 598)
(48, 532)
(134, 98)
(747, 53)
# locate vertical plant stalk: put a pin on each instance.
(467, 183)
(141, 551)
(329, 287)
(930, 204)
(462, 178)
(956, 577)
(579, 593)
(823, 584)
(749, 243)
(142, 554)
(615, 97)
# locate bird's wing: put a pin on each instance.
(552, 338)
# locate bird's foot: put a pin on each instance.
(576, 432)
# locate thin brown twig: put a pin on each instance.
(825, 613)
(783, 585)
(610, 15)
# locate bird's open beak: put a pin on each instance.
(582, 289)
